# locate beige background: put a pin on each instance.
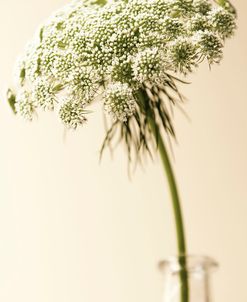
(74, 230)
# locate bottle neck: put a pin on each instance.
(199, 279)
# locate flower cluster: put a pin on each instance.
(112, 49)
(119, 101)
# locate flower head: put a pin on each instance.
(112, 50)
(83, 84)
(44, 94)
(72, 114)
(148, 66)
(210, 46)
(24, 105)
(119, 101)
(223, 22)
(183, 55)
(202, 6)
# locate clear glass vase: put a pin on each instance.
(198, 275)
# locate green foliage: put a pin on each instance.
(11, 98)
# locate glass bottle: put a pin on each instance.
(198, 272)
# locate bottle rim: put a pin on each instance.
(189, 263)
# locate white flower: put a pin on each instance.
(183, 55)
(202, 6)
(83, 84)
(119, 101)
(223, 22)
(24, 105)
(44, 94)
(149, 65)
(20, 72)
(72, 114)
(210, 46)
(116, 47)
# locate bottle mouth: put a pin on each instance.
(189, 263)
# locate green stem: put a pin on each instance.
(176, 209)
(181, 243)
(173, 188)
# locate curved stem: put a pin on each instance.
(181, 243)
(173, 188)
(176, 209)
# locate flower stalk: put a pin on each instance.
(181, 242)
(176, 204)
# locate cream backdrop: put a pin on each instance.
(74, 230)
